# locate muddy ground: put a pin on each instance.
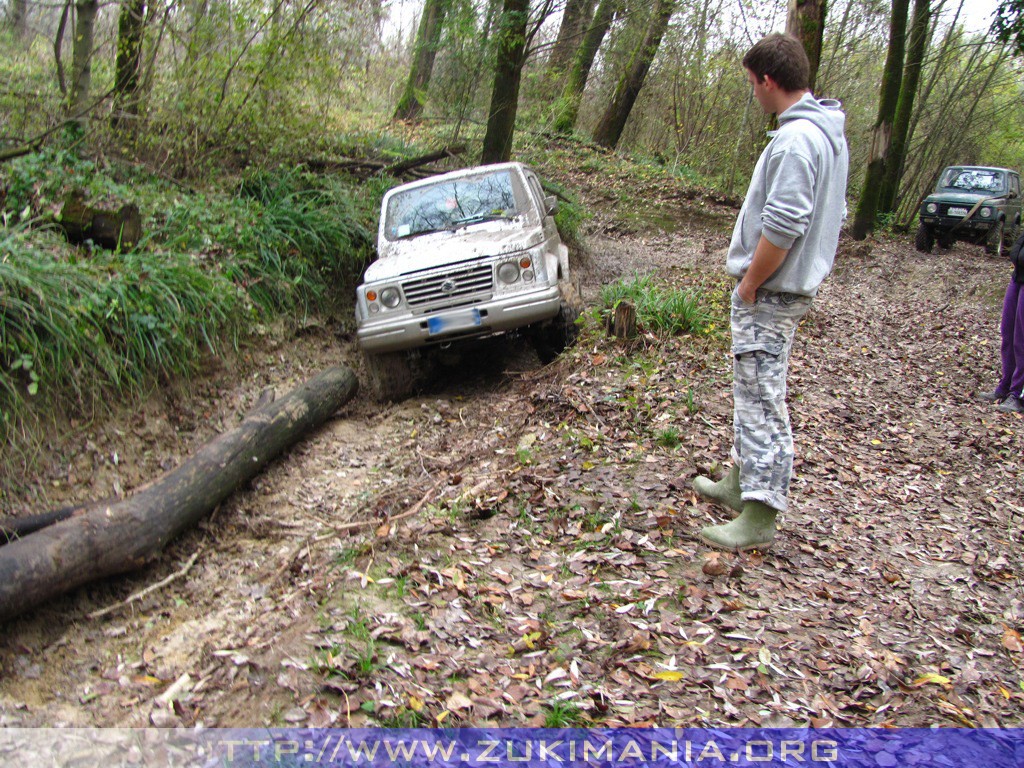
(546, 569)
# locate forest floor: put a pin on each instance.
(550, 572)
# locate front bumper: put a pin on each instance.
(393, 332)
(972, 226)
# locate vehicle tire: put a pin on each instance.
(550, 339)
(1010, 235)
(389, 375)
(994, 240)
(924, 240)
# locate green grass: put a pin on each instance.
(660, 309)
(668, 438)
(562, 714)
(80, 327)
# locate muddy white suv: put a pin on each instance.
(972, 203)
(461, 256)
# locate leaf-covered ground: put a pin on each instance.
(519, 545)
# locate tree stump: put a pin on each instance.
(107, 229)
(622, 322)
(109, 539)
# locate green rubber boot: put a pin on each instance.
(726, 490)
(753, 529)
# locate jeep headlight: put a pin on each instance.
(508, 272)
(985, 212)
(931, 208)
(390, 297)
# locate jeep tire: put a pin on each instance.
(924, 240)
(551, 338)
(994, 240)
(390, 375)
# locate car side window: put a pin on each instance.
(538, 193)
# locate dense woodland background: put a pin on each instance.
(201, 87)
(225, 122)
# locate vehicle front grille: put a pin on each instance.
(450, 287)
(959, 210)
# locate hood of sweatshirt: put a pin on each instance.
(827, 114)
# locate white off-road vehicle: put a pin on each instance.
(460, 256)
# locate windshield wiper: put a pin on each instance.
(476, 219)
(417, 233)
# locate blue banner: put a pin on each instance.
(522, 747)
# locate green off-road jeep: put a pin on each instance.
(974, 204)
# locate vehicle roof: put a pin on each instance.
(457, 174)
(980, 168)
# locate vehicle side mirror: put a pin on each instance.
(550, 205)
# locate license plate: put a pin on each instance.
(961, 212)
(453, 321)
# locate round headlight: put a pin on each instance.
(528, 276)
(985, 212)
(508, 272)
(931, 208)
(390, 298)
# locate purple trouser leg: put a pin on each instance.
(1011, 330)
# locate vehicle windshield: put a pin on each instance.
(451, 204)
(973, 180)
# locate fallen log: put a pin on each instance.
(366, 167)
(12, 528)
(108, 229)
(122, 537)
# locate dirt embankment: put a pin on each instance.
(551, 572)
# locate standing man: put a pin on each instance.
(783, 246)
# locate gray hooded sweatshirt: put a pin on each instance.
(797, 198)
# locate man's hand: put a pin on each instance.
(767, 259)
(746, 291)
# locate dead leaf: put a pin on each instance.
(931, 678)
(670, 675)
(1012, 640)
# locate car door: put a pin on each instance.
(552, 240)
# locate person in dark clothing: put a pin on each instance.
(1009, 392)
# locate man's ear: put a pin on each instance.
(769, 83)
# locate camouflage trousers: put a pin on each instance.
(762, 337)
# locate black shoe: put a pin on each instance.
(1011, 404)
(991, 397)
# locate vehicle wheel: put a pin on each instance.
(924, 240)
(994, 241)
(1010, 235)
(389, 375)
(551, 338)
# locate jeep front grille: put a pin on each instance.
(450, 287)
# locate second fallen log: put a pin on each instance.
(106, 228)
(121, 537)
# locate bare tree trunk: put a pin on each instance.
(609, 129)
(905, 106)
(131, 26)
(81, 59)
(428, 36)
(575, 21)
(17, 18)
(58, 45)
(117, 538)
(806, 22)
(572, 96)
(881, 136)
(510, 55)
